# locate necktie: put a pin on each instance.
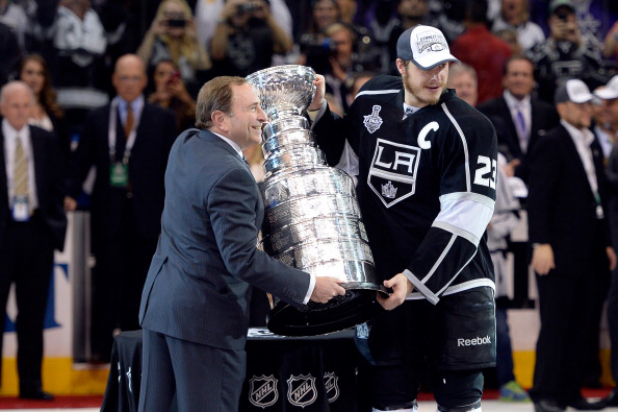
(522, 130)
(128, 124)
(20, 170)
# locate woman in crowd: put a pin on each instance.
(170, 92)
(46, 113)
(173, 36)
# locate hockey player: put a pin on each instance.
(426, 188)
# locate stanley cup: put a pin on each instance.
(313, 220)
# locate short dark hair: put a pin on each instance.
(516, 57)
(216, 94)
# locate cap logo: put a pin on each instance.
(430, 41)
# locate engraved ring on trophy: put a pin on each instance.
(313, 220)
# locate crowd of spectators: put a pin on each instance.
(67, 52)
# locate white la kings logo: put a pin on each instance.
(392, 174)
(302, 390)
(373, 122)
(263, 391)
(331, 384)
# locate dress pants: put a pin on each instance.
(568, 306)
(183, 376)
(26, 259)
(122, 263)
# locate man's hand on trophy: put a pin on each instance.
(320, 91)
(401, 288)
(326, 288)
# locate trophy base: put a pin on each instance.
(358, 305)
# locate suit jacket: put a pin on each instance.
(49, 186)
(544, 118)
(155, 135)
(198, 285)
(561, 205)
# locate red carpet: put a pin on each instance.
(59, 402)
(95, 401)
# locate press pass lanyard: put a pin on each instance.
(113, 121)
(119, 171)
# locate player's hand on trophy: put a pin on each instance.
(320, 91)
(326, 288)
(401, 288)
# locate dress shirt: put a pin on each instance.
(137, 105)
(525, 108)
(583, 138)
(606, 140)
(10, 134)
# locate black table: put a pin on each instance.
(283, 374)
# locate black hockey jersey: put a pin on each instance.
(426, 185)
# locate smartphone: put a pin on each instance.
(174, 77)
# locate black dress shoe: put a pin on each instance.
(37, 395)
(582, 404)
(548, 405)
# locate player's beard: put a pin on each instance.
(417, 91)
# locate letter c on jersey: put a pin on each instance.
(431, 127)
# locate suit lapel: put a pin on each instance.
(574, 159)
(512, 132)
(4, 185)
(38, 153)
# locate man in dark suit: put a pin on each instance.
(32, 225)
(572, 254)
(128, 142)
(519, 118)
(195, 303)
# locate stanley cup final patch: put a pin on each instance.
(373, 122)
(392, 174)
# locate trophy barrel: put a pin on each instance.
(313, 220)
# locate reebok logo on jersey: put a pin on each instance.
(474, 342)
(392, 174)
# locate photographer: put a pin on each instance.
(172, 36)
(565, 54)
(171, 93)
(336, 53)
(246, 38)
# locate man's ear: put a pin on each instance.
(401, 66)
(220, 120)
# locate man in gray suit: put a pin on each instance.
(195, 303)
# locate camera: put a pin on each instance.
(318, 52)
(176, 23)
(246, 8)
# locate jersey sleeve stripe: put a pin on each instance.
(458, 232)
(464, 217)
(456, 274)
(460, 287)
(471, 284)
(374, 92)
(418, 285)
(440, 259)
(475, 197)
(465, 146)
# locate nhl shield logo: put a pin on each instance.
(373, 122)
(263, 391)
(392, 174)
(302, 390)
(332, 387)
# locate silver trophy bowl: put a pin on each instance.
(313, 221)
